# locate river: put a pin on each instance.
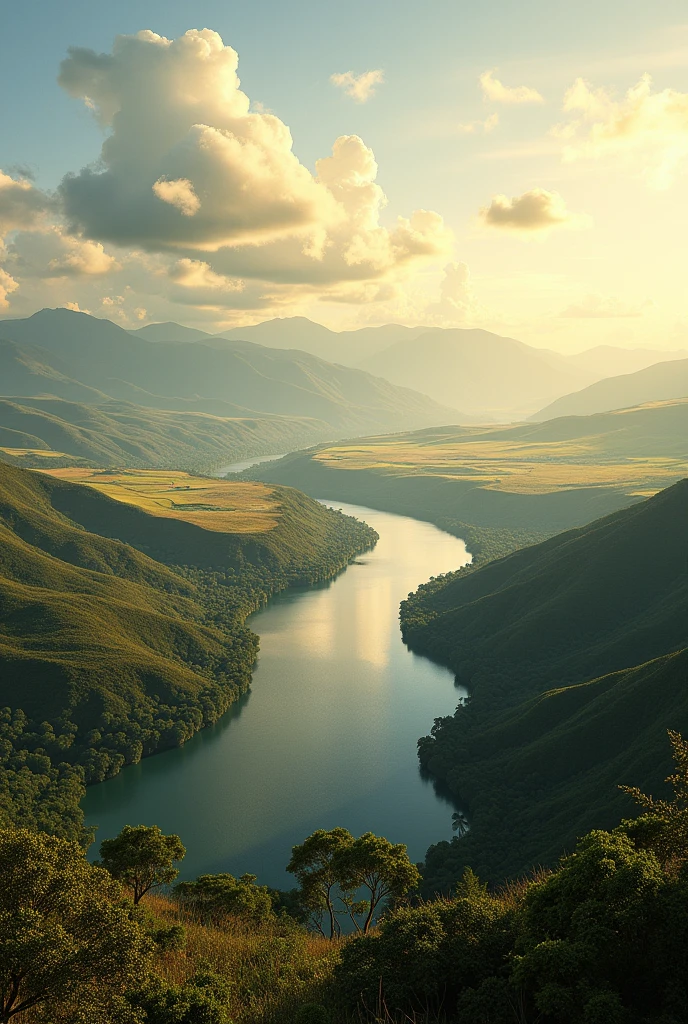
(327, 734)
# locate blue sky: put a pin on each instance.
(432, 56)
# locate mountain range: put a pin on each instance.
(481, 373)
(79, 358)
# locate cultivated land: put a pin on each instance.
(218, 505)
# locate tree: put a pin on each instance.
(68, 944)
(142, 858)
(460, 824)
(664, 826)
(380, 868)
(214, 897)
(317, 865)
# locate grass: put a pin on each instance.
(217, 505)
(274, 969)
(604, 452)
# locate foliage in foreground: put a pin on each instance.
(602, 939)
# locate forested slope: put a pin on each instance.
(106, 654)
(573, 651)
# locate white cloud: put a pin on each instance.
(600, 307)
(181, 127)
(21, 204)
(457, 301)
(7, 286)
(53, 253)
(647, 129)
(496, 92)
(535, 211)
(198, 200)
(359, 87)
(486, 126)
(179, 193)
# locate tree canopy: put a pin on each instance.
(142, 858)
(69, 947)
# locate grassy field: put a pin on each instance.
(218, 505)
(610, 450)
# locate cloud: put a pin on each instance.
(52, 252)
(179, 128)
(535, 211)
(494, 91)
(7, 286)
(457, 302)
(198, 200)
(359, 87)
(179, 193)
(647, 129)
(486, 126)
(21, 204)
(601, 307)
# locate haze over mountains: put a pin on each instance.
(80, 358)
(481, 373)
(656, 383)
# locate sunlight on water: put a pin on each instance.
(327, 735)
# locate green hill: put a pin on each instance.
(656, 383)
(573, 651)
(122, 434)
(238, 379)
(499, 486)
(106, 654)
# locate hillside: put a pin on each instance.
(122, 434)
(479, 372)
(656, 383)
(108, 654)
(531, 479)
(573, 652)
(610, 361)
(238, 379)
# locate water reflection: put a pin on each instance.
(328, 733)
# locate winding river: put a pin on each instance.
(326, 736)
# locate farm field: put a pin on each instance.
(217, 505)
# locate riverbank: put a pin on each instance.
(129, 628)
(327, 734)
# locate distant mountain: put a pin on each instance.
(240, 378)
(169, 332)
(478, 371)
(346, 347)
(653, 384)
(610, 361)
(571, 652)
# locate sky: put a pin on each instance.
(517, 167)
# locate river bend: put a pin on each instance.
(326, 736)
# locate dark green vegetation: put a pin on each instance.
(333, 869)
(574, 652)
(653, 384)
(501, 487)
(601, 939)
(123, 633)
(125, 435)
(79, 358)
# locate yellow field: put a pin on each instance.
(517, 467)
(44, 453)
(218, 505)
